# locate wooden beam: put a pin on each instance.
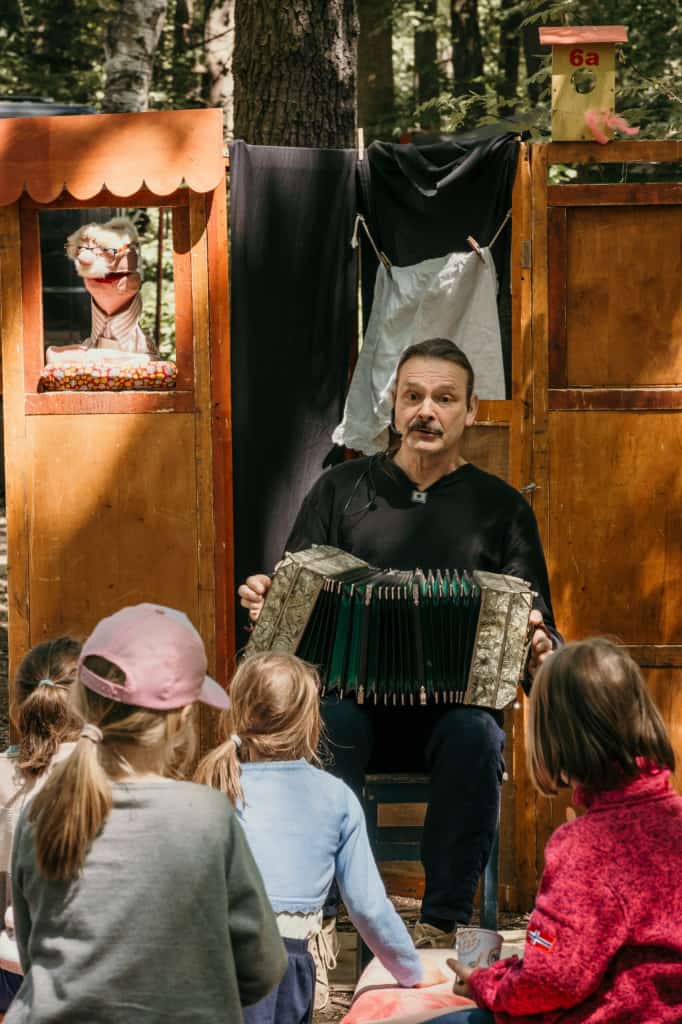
(32, 298)
(656, 655)
(668, 193)
(11, 337)
(657, 399)
(557, 271)
(646, 151)
(203, 450)
(490, 410)
(221, 426)
(89, 403)
(522, 355)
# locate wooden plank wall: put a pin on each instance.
(606, 397)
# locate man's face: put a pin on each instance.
(431, 410)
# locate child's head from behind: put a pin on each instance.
(592, 721)
(274, 716)
(41, 708)
(140, 671)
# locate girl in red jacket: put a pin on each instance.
(604, 942)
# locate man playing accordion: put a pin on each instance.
(421, 504)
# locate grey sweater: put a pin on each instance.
(167, 921)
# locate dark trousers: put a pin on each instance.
(461, 750)
(290, 1002)
(10, 984)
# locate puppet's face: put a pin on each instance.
(101, 249)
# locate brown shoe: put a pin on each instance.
(426, 936)
(324, 948)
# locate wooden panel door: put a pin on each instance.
(607, 340)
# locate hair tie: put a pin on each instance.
(237, 740)
(92, 732)
(46, 682)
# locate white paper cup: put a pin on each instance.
(477, 947)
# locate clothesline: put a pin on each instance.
(383, 258)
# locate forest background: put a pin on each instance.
(309, 72)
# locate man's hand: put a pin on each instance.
(431, 974)
(461, 986)
(252, 594)
(540, 643)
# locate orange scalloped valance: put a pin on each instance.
(122, 153)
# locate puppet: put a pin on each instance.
(106, 257)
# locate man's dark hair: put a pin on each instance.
(440, 348)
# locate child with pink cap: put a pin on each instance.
(136, 898)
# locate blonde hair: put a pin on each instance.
(40, 698)
(71, 809)
(592, 720)
(274, 712)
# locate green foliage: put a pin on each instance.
(54, 48)
(147, 223)
(649, 70)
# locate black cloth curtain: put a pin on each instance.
(294, 323)
(423, 201)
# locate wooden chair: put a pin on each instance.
(395, 806)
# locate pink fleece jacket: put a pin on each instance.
(604, 942)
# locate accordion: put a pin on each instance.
(398, 637)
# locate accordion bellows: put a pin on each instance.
(399, 637)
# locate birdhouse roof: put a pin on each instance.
(83, 154)
(565, 35)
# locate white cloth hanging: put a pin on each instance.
(453, 296)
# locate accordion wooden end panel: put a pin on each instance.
(398, 637)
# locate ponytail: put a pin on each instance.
(220, 770)
(41, 709)
(44, 720)
(70, 811)
(274, 716)
(117, 740)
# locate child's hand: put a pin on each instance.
(460, 987)
(431, 975)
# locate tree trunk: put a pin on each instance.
(508, 74)
(218, 49)
(132, 37)
(427, 78)
(467, 53)
(375, 67)
(295, 72)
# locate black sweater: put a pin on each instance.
(469, 520)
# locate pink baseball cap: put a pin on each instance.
(161, 655)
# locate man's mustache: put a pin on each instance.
(424, 427)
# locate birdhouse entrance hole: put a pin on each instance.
(583, 80)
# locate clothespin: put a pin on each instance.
(476, 247)
(380, 255)
(361, 143)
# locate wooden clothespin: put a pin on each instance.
(476, 247)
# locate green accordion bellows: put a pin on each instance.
(399, 637)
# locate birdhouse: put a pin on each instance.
(583, 76)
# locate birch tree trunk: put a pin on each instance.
(295, 72)
(375, 67)
(218, 51)
(131, 41)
